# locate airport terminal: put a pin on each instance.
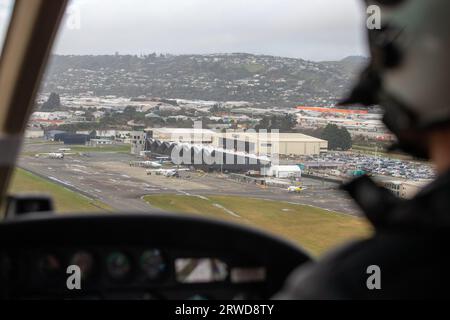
(230, 151)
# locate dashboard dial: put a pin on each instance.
(85, 261)
(118, 265)
(152, 263)
(5, 267)
(49, 265)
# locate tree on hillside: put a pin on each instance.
(338, 138)
(53, 102)
(288, 123)
(129, 111)
(316, 133)
(284, 123)
(345, 139)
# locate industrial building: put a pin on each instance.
(405, 189)
(169, 135)
(234, 152)
(139, 141)
(33, 133)
(257, 143)
(260, 143)
(182, 135)
(50, 134)
(293, 172)
(206, 157)
(72, 138)
(332, 110)
(101, 142)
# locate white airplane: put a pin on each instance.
(147, 164)
(171, 173)
(152, 164)
(161, 172)
(166, 172)
(56, 155)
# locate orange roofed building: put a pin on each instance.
(332, 110)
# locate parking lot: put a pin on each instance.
(376, 165)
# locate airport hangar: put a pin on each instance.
(289, 144)
(260, 143)
(249, 150)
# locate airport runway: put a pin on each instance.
(109, 178)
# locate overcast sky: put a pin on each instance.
(310, 29)
(5, 12)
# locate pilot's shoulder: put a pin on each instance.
(322, 279)
(343, 273)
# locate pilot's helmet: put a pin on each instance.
(409, 72)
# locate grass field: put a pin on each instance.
(65, 200)
(315, 229)
(254, 67)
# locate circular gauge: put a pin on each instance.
(152, 263)
(118, 265)
(49, 265)
(85, 261)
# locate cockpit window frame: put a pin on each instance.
(26, 49)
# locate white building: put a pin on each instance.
(54, 115)
(268, 143)
(107, 134)
(96, 142)
(138, 139)
(405, 189)
(34, 133)
(98, 114)
(293, 172)
(183, 135)
(260, 144)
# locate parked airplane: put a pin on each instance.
(166, 172)
(146, 164)
(56, 155)
(152, 164)
(53, 155)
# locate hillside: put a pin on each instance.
(260, 79)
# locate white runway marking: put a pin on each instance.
(226, 210)
(61, 181)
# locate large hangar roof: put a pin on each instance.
(283, 137)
